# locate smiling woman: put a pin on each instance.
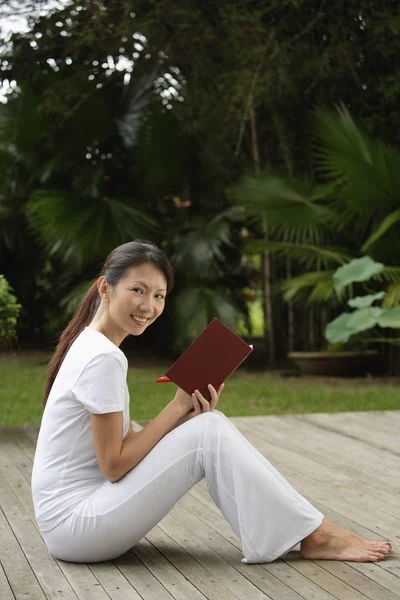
(98, 487)
(132, 305)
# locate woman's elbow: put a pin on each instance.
(112, 472)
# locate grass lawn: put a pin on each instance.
(246, 393)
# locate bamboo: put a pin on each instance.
(266, 258)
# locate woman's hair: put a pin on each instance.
(122, 258)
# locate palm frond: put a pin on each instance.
(366, 171)
(70, 302)
(288, 202)
(195, 306)
(306, 254)
(22, 128)
(139, 94)
(392, 297)
(388, 275)
(200, 251)
(316, 287)
(82, 230)
(382, 228)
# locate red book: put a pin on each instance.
(211, 358)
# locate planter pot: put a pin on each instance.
(339, 364)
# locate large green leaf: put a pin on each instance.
(390, 318)
(364, 318)
(365, 301)
(348, 324)
(359, 269)
(337, 330)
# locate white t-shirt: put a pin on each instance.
(92, 379)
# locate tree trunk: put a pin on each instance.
(266, 258)
(311, 331)
(287, 157)
(290, 309)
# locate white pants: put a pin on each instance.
(263, 509)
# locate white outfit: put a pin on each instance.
(85, 518)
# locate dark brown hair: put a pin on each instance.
(122, 258)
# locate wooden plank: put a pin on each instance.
(82, 579)
(296, 458)
(297, 581)
(58, 579)
(139, 576)
(190, 557)
(113, 581)
(338, 452)
(46, 570)
(331, 584)
(216, 565)
(179, 587)
(83, 582)
(316, 484)
(353, 427)
(365, 585)
(6, 592)
(250, 580)
(19, 574)
(381, 576)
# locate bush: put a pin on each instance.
(9, 313)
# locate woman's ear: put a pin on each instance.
(102, 287)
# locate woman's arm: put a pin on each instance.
(117, 456)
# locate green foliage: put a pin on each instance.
(9, 312)
(210, 275)
(320, 226)
(360, 269)
(80, 230)
(365, 316)
(162, 132)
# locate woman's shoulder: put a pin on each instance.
(93, 345)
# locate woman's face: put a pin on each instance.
(137, 300)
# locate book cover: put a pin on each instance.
(211, 358)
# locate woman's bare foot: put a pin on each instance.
(331, 542)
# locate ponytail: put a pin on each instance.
(80, 320)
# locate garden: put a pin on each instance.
(270, 177)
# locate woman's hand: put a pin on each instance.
(200, 404)
(191, 406)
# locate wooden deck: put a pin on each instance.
(348, 465)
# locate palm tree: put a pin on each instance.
(139, 180)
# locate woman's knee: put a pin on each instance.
(213, 422)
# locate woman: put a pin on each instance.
(98, 487)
